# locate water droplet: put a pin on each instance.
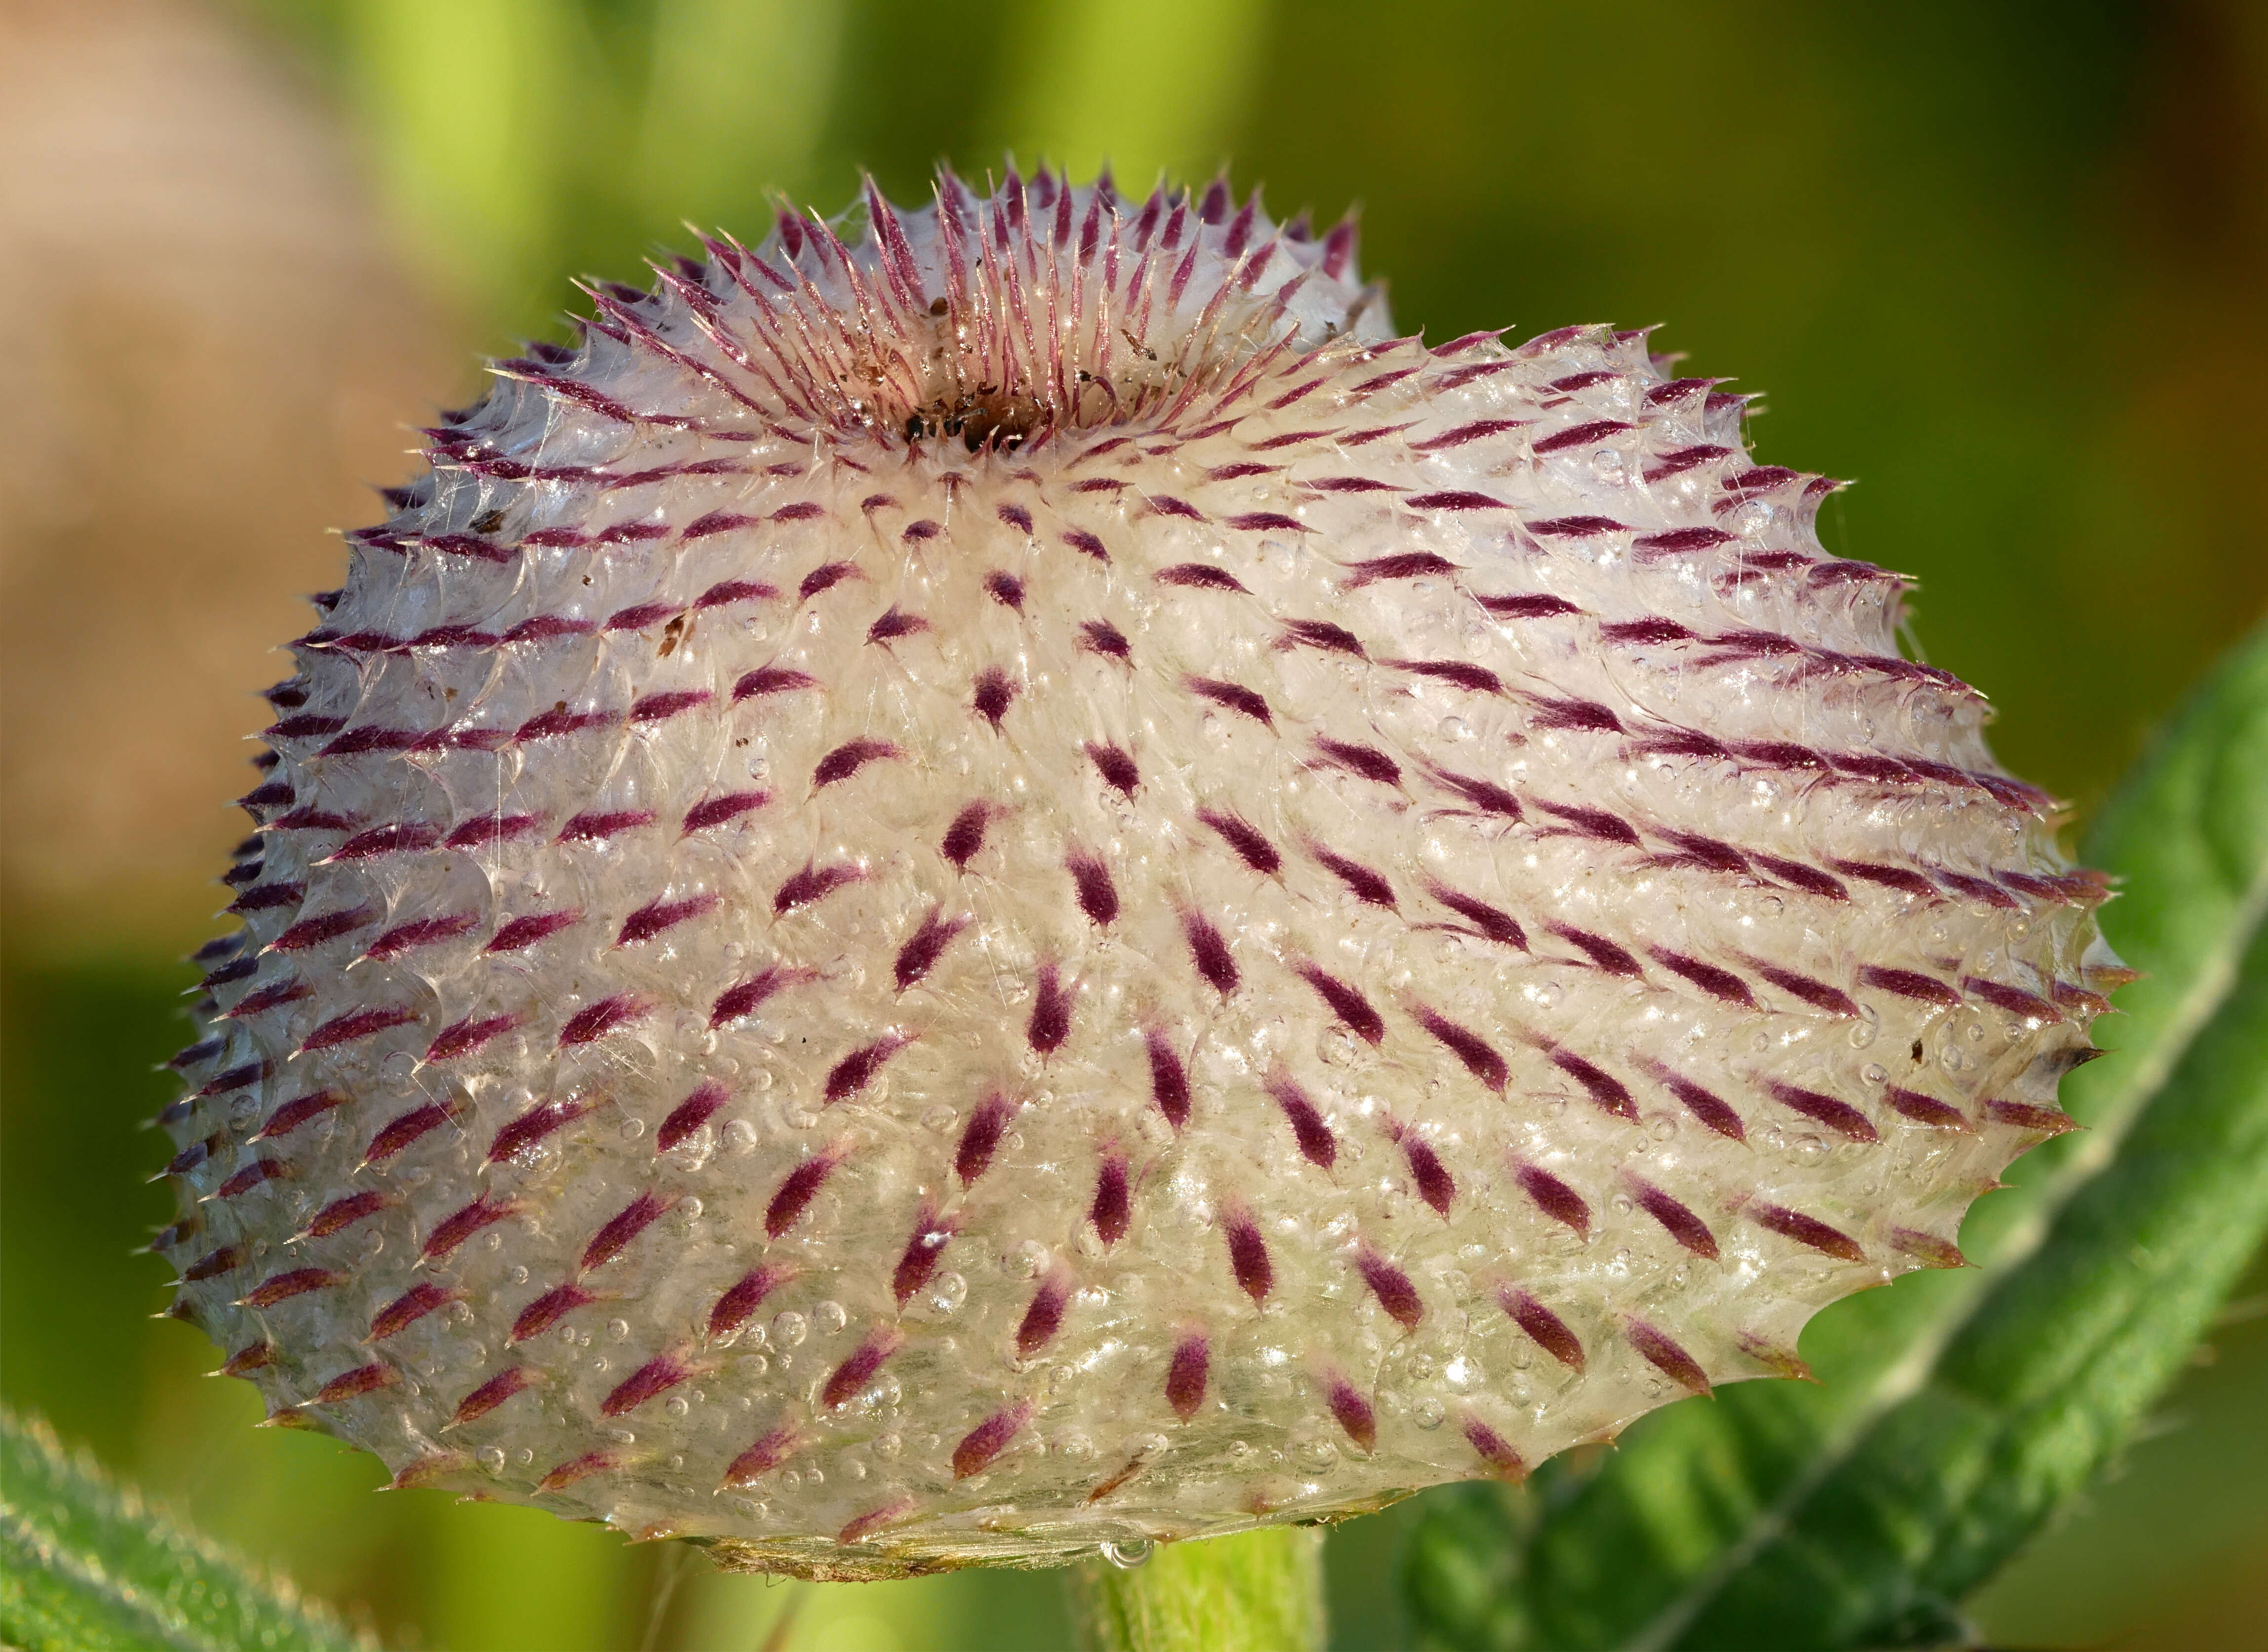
(618, 1328)
(1130, 1553)
(519, 1276)
(492, 1459)
(947, 1295)
(789, 1329)
(633, 1128)
(1317, 1456)
(739, 1138)
(939, 1119)
(887, 1446)
(1455, 728)
(1874, 1073)
(693, 1153)
(1428, 1413)
(829, 1317)
(678, 1405)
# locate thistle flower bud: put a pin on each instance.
(1025, 884)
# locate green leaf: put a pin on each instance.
(87, 1567)
(1955, 1410)
(1259, 1592)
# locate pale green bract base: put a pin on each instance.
(1261, 1591)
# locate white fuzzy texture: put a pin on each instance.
(1662, 979)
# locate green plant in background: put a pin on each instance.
(522, 143)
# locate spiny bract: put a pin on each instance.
(1025, 885)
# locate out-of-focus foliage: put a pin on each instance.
(2002, 263)
(86, 1566)
(1951, 1421)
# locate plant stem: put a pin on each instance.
(1260, 1591)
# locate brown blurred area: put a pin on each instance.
(209, 354)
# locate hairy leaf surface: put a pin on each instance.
(87, 1567)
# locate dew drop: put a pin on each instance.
(492, 1459)
(739, 1138)
(1132, 1552)
(633, 1128)
(829, 1317)
(789, 1329)
(1317, 1456)
(947, 1295)
(1428, 1413)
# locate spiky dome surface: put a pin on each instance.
(1023, 885)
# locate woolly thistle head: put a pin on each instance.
(1023, 884)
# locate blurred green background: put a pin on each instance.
(2003, 264)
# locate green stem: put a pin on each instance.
(1261, 1591)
